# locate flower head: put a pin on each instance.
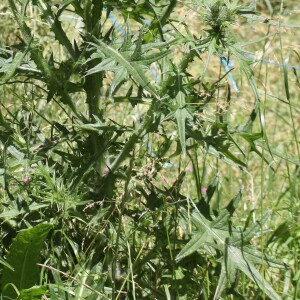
(204, 190)
(26, 180)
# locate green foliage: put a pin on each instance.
(34, 293)
(101, 122)
(23, 255)
(236, 252)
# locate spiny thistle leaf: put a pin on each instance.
(132, 67)
(235, 257)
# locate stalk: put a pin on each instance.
(93, 83)
(132, 141)
(168, 11)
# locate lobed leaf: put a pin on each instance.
(132, 67)
(241, 257)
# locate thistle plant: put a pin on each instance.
(95, 149)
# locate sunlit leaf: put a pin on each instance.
(23, 256)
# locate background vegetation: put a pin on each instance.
(149, 149)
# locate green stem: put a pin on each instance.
(168, 11)
(119, 230)
(93, 83)
(132, 141)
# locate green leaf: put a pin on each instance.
(16, 62)
(210, 52)
(249, 269)
(107, 64)
(13, 212)
(221, 283)
(15, 152)
(149, 59)
(181, 115)
(55, 25)
(228, 157)
(34, 293)
(4, 263)
(137, 54)
(253, 230)
(234, 257)
(120, 76)
(23, 256)
(197, 241)
(232, 205)
(229, 266)
(132, 67)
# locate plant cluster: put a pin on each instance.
(104, 127)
